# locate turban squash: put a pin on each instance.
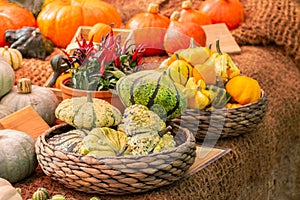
(60, 19)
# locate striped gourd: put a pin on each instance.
(88, 112)
(70, 141)
(41, 194)
(179, 71)
(153, 89)
(218, 96)
(12, 56)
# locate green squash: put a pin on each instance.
(7, 77)
(153, 89)
(218, 96)
(88, 112)
(4, 111)
(70, 141)
(17, 155)
(41, 194)
(8, 192)
(42, 99)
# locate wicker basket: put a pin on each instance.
(115, 175)
(223, 123)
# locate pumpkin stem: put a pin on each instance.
(153, 8)
(186, 4)
(175, 16)
(218, 47)
(24, 86)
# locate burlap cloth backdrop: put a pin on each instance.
(264, 164)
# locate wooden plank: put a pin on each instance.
(205, 156)
(26, 120)
(221, 32)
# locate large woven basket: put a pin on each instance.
(115, 175)
(223, 123)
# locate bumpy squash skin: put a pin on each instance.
(82, 114)
(17, 155)
(8, 192)
(153, 89)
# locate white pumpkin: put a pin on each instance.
(7, 191)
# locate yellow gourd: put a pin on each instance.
(243, 89)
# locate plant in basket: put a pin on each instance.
(97, 66)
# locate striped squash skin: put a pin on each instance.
(70, 141)
(219, 96)
(83, 114)
(12, 56)
(152, 89)
(179, 71)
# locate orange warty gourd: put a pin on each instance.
(230, 12)
(99, 31)
(188, 14)
(149, 29)
(179, 34)
(59, 19)
(12, 17)
(243, 89)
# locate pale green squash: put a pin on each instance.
(17, 155)
(7, 77)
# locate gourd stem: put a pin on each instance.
(164, 131)
(218, 47)
(89, 96)
(24, 86)
(153, 8)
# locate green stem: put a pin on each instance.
(218, 47)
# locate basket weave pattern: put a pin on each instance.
(223, 123)
(115, 175)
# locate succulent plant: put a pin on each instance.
(99, 66)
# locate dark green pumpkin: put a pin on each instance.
(70, 141)
(153, 89)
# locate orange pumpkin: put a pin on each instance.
(59, 19)
(188, 14)
(230, 12)
(99, 31)
(149, 29)
(179, 34)
(12, 17)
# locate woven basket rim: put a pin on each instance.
(189, 140)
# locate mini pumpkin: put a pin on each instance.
(243, 89)
(149, 29)
(60, 19)
(188, 14)
(42, 99)
(17, 155)
(230, 12)
(7, 77)
(179, 34)
(99, 31)
(12, 56)
(8, 192)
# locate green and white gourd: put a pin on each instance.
(153, 89)
(41, 194)
(17, 155)
(70, 141)
(88, 112)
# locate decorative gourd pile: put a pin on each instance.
(210, 79)
(103, 131)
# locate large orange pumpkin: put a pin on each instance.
(149, 29)
(188, 14)
(12, 17)
(60, 19)
(230, 12)
(179, 34)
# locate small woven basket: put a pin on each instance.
(116, 175)
(223, 123)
